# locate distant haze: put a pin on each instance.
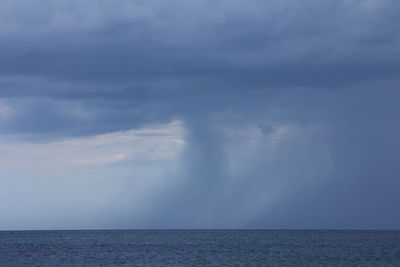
(199, 114)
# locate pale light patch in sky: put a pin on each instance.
(105, 176)
(154, 143)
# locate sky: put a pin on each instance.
(199, 114)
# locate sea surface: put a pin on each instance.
(200, 248)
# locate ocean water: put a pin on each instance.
(200, 248)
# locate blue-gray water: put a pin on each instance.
(200, 247)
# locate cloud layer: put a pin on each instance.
(288, 108)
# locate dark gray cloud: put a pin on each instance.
(86, 68)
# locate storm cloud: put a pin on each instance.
(288, 110)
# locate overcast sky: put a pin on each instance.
(199, 114)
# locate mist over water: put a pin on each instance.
(299, 161)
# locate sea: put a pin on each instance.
(200, 248)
